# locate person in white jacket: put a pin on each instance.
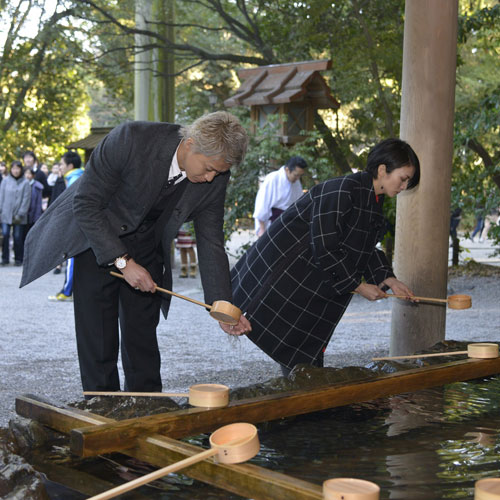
(279, 190)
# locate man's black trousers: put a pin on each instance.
(102, 302)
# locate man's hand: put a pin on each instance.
(138, 277)
(370, 292)
(243, 326)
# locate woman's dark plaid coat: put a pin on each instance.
(296, 281)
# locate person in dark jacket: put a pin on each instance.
(31, 161)
(70, 167)
(35, 210)
(296, 281)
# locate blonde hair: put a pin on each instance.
(218, 134)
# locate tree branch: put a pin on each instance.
(488, 161)
(201, 53)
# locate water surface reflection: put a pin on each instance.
(431, 444)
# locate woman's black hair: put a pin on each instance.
(393, 153)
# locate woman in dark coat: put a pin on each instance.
(296, 281)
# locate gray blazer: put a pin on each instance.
(120, 185)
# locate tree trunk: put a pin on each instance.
(456, 252)
(142, 61)
(480, 150)
(333, 146)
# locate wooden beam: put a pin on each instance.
(246, 480)
(122, 435)
(319, 65)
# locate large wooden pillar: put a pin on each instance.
(423, 215)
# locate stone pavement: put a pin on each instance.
(38, 351)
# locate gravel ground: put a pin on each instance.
(38, 348)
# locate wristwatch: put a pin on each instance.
(121, 262)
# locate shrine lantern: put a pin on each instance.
(293, 91)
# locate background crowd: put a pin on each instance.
(27, 188)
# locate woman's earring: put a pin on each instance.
(381, 188)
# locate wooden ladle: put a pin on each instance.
(479, 350)
(221, 310)
(233, 444)
(487, 489)
(204, 395)
(347, 488)
(458, 301)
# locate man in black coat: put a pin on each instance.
(141, 183)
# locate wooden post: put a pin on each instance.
(423, 214)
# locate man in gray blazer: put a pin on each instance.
(141, 183)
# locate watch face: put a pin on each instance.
(121, 263)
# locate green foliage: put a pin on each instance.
(88, 50)
(265, 154)
(43, 95)
(477, 117)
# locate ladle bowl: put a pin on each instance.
(225, 312)
(459, 301)
(209, 395)
(482, 350)
(345, 488)
(235, 443)
(487, 489)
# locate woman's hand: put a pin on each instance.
(243, 326)
(370, 292)
(138, 277)
(399, 288)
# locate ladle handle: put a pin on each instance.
(138, 394)
(155, 475)
(427, 299)
(163, 472)
(164, 290)
(414, 356)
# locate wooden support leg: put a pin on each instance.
(246, 480)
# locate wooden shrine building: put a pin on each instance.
(97, 134)
(294, 91)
